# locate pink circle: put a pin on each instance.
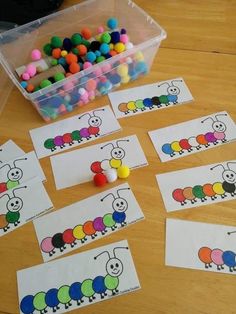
(36, 55)
(87, 65)
(100, 29)
(46, 245)
(25, 76)
(216, 256)
(31, 69)
(124, 38)
(219, 135)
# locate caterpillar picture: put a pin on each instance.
(117, 154)
(14, 175)
(208, 190)
(199, 141)
(77, 135)
(90, 228)
(78, 291)
(14, 205)
(156, 101)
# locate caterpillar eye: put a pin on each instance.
(115, 153)
(117, 265)
(17, 202)
(120, 151)
(12, 204)
(227, 176)
(17, 172)
(92, 121)
(122, 203)
(112, 266)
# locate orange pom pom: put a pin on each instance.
(113, 53)
(68, 74)
(82, 50)
(56, 53)
(30, 88)
(71, 58)
(86, 33)
(74, 67)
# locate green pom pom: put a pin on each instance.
(56, 42)
(37, 88)
(76, 39)
(45, 83)
(59, 76)
(54, 62)
(47, 49)
(86, 43)
(75, 51)
(100, 59)
(106, 38)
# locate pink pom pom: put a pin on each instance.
(31, 70)
(25, 76)
(100, 29)
(87, 65)
(124, 38)
(36, 55)
(68, 86)
(106, 68)
(98, 72)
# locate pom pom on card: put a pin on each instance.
(99, 179)
(123, 172)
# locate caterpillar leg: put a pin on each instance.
(215, 143)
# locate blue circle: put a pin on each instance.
(166, 148)
(112, 23)
(24, 84)
(99, 285)
(75, 291)
(229, 258)
(104, 48)
(91, 56)
(119, 217)
(51, 298)
(147, 102)
(26, 304)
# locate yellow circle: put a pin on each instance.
(218, 189)
(115, 163)
(175, 146)
(131, 105)
(64, 53)
(123, 172)
(78, 232)
(119, 47)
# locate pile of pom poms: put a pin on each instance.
(77, 53)
(111, 175)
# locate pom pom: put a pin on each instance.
(76, 39)
(91, 85)
(87, 65)
(74, 67)
(129, 46)
(100, 29)
(56, 42)
(36, 54)
(90, 56)
(105, 38)
(82, 50)
(30, 88)
(112, 23)
(47, 49)
(115, 37)
(123, 31)
(25, 76)
(58, 77)
(100, 59)
(95, 45)
(104, 48)
(31, 70)
(111, 175)
(64, 53)
(62, 61)
(54, 62)
(67, 44)
(119, 47)
(56, 53)
(97, 53)
(24, 84)
(123, 172)
(99, 179)
(123, 70)
(45, 83)
(86, 33)
(70, 58)
(124, 38)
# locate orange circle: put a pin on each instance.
(71, 57)
(74, 67)
(88, 228)
(56, 53)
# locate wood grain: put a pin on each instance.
(195, 29)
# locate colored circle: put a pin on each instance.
(119, 217)
(115, 163)
(123, 172)
(63, 294)
(167, 149)
(26, 304)
(75, 291)
(78, 232)
(87, 288)
(46, 245)
(208, 190)
(68, 236)
(198, 191)
(88, 228)
(98, 224)
(188, 193)
(39, 301)
(176, 147)
(204, 255)
(12, 217)
(178, 195)
(131, 105)
(99, 285)
(201, 139)
(218, 188)
(216, 256)
(57, 240)
(229, 258)
(108, 220)
(51, 298)
(184, 144)
(111, 283)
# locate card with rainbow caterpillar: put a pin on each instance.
(83, 222)
(198, 186)
(192, 136)
(79, 280)
(201, 246)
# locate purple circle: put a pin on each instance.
(58, 141)
(84, 132)
(98, 224)
(210, 138)
(46, 245)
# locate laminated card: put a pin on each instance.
(78, 280)
(22, 204)
(190, 137)
(74, 131)
(10, 150)
(200, 246)
(85, 221)
(20, 170)
(81, 165)
(198, 186)
(150, 97)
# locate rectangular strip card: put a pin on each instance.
(22, 204)
(80, 165)
(189, 137)
(74, 131)
(198, 186)
(200, 246)
(20, 170)
(85, 221)
(78, 280)
(10, 150)
(150, 97)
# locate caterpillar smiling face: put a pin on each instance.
(219, 126)
(15, 174)
(118, 153)
(173, 90)
(95, 121)
(120, 205)
(15, 204)
(229, 176)
(114, 267)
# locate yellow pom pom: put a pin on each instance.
(115, 163)
(123, 70)
(98, 37)
(111, 46)
(138, 56)
(125, 79)
(123, 172)
(64, 53)
(119, 47)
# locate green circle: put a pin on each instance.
(76, 39)
(87, 288)
(12, 217)
(139, 104)
(59, 76)
(39, 301)
(49, 143)
(56, 42)
(198, 191)
(47, 49)
(45, 83)
(106, 38)
(111, 283)
(63, 294)
(54, 62)
(12, 184)
(100, 59)
(108, 220)
(163, 99)
(76, 135)
(75, 51)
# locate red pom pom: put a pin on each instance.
(99, 179)
(86, 33)
(96, 167)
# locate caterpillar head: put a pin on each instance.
(218, 126)
(14, 204)
(173, 90)
(120, 205)
(114, 267)
(15, 174)
(95, 121)
(229, 176)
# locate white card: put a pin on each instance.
(200, 246)
(198, 186)
(80, 165)
(9, 151)
(20, 170)
(192, 136)
(85, 221)
(150, 97)
(78, 280)
(22, 204)
(74, 131)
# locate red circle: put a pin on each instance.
(68, 237)
(99, 179)
(3, 187)
(96, 167)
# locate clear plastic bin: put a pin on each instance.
(78, 89)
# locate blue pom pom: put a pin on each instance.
(91, 56)
(108, 56)
(97, 53)
(123, 31)
(62, 61)
(115, 37)
(24, 84)
(112, 23)
(67, 44)
(104, 48)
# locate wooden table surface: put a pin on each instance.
(200, 47)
